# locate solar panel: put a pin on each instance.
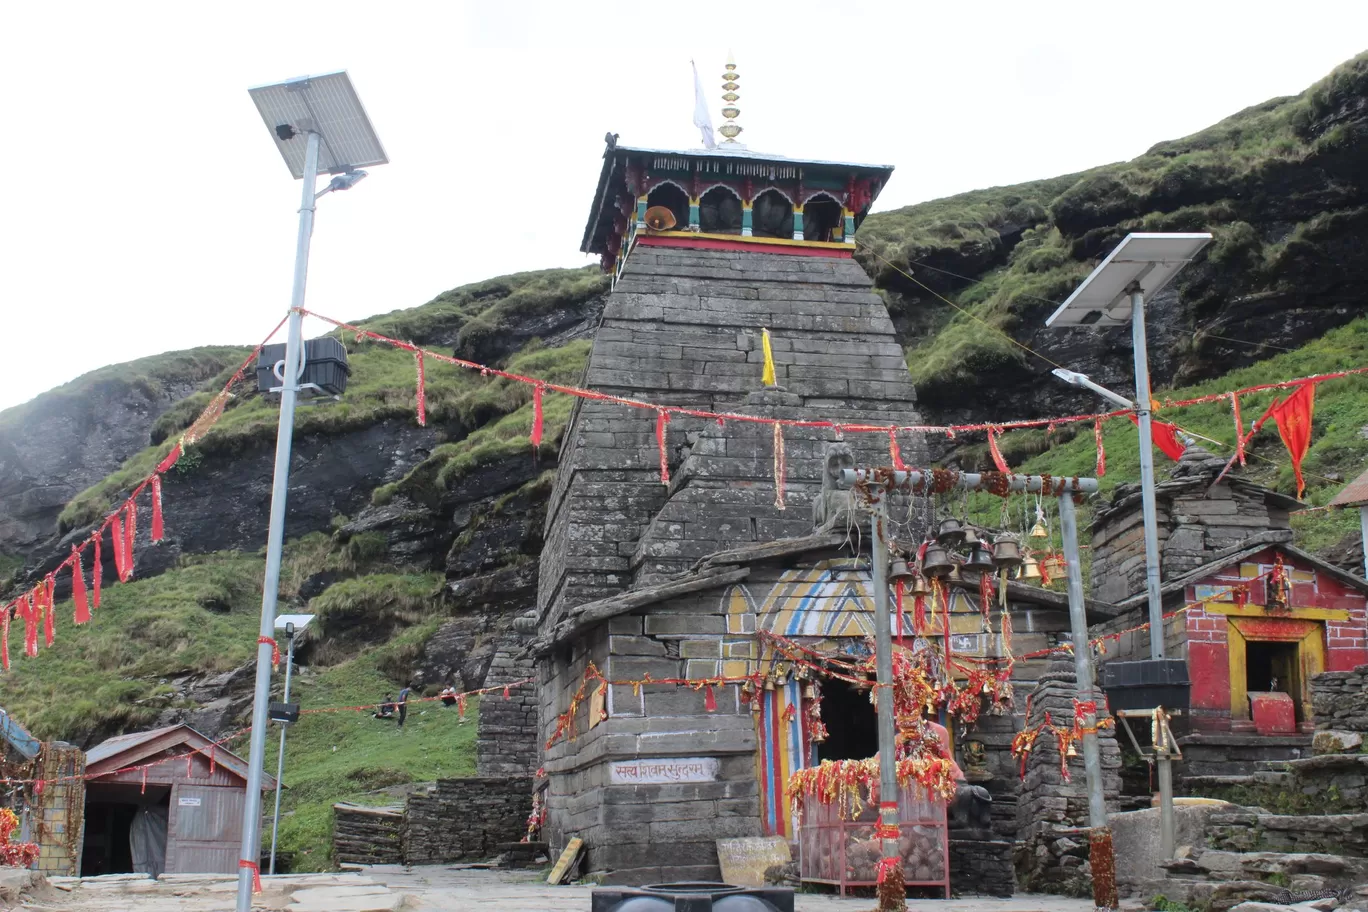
(1152, 260)
(327, 105)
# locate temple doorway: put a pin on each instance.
(1274, 666)
(851, 722)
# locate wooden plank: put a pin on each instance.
(568, 859)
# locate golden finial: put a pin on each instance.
(730, 129)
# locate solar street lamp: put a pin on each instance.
(1114, 293)
(319, 126)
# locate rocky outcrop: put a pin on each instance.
(67, 439)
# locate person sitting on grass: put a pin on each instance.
(386, 709)
(448, 696)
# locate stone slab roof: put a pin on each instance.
(1278, 539)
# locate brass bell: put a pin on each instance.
(1072, 751)
(935, 562)
(810, 691)
(1039, 530)
(980, 559)
(955, 573)
(971, 538)
(1030, 568)
(769, 683)
(898, 570)
(951, 532)
(919, 587)
(1006, 550)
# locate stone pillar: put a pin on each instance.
(506, 744)
(1052, 814)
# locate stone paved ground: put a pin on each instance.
(422, 889)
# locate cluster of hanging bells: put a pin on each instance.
(1002, 552)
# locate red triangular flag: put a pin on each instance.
(130, 534)
(78, 588)
(709, 699)
(1165, 437)
(157, 529)
(95, 571)
(1294, 415)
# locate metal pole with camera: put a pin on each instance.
(285, 713)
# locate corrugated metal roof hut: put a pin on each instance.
(163, 801)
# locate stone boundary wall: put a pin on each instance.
(982, 866)
(368, 835)
(1339, 701)
(1244, 830)
(465, 819)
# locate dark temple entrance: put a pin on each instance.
(851, 722)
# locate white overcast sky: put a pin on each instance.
(144, 207)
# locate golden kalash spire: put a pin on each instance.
(730, 129)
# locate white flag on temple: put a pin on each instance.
(702, 118)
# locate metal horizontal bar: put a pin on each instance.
(972, 481)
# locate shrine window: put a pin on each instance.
(719, 212)
(772, 215)
(851, 722)
(673, 198)
(822, 219)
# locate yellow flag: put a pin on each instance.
(768, 376)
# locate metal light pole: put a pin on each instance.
(1141, 264)
(312, 107)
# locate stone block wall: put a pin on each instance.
(982, 866)
(363, 835)
(1339, 700)
(1246, 830)
(506, 743)
(1196, 521)
(465, 819)
(1052, 813)
(613, 787)
(683, 327)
